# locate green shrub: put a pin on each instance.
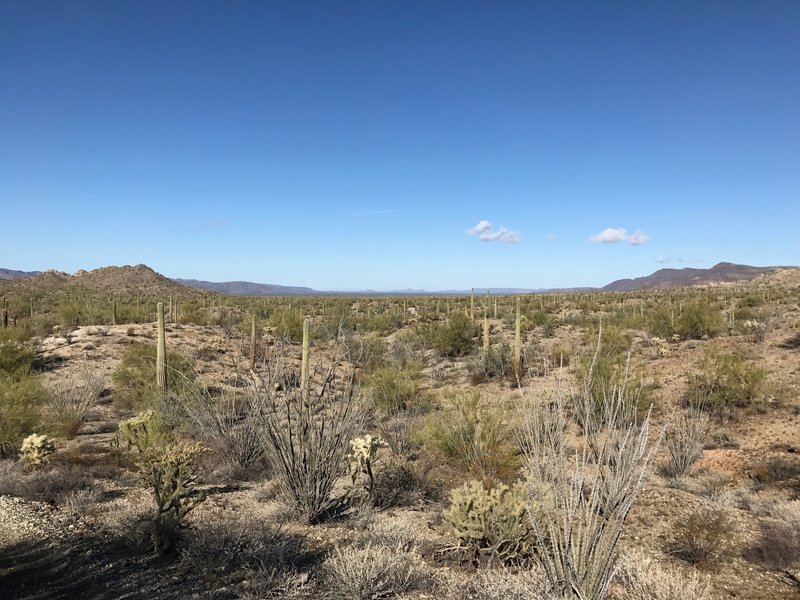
(476, 441)
(456, 337)
(392, 389)
(16, 358)
(135, 375)
(726, 379)
(20, 402)
(699, 319)
(494, 362)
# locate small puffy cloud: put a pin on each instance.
(638, 238)
(614, 235)
(483, 230)
(610, 235)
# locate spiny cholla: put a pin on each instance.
(36, 449)
(661, 345)
(492, 521)
(363, 454)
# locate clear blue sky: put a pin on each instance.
(356, 144)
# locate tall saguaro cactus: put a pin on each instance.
(304, 364)
(161, 351)
(253, 344)
(518, 345)
(472, 305)
(485, 332)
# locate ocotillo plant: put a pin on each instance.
(161, 351)
(518, 345)
(304, 363)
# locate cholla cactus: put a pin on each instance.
(36, 450)
(492, 521)
(364, 450)
(143, 431)
(661, 345)
(171, 474)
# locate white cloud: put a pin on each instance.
(638, 238)
(484, 232)
(614, 235)
(610, 235)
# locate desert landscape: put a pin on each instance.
(623, 444)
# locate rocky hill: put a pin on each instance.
(674, 278)
(125, 281)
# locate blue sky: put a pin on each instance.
(363, 144)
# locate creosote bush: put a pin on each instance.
(703, 536)
(393, 388)
(135, 379)
(726, 380)
(475, 440)
(456, 337)
(21, 398)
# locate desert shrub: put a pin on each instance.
(229, 426)
(499, 584)
(605, 367)
(35, 450)
(364, 351)
(684, 440)
(16, 358)
(699, 319)
(393, 389)
(775, 469)
(492, 521)
(397, 428)
(644, 579)
(20, 402)
(52, 483)
(69, 404)
(590, 491)
(80, 503)
(353, 573)
(778, 545)
(456, 337)
(307, 440)
(135, 375)
(662, 322)
(476, 441)
(287, 323)
(725, 380)
(398, 483)
(703, 536)
(494, 362)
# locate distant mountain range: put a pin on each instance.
(141, 278)
(12, 274)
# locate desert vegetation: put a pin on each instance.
(576, 445)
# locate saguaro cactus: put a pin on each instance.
(161, 351)
(485, 332)
(304, 364)
(518, 345)
(253, 344)
(114, 312)
(472, 305)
